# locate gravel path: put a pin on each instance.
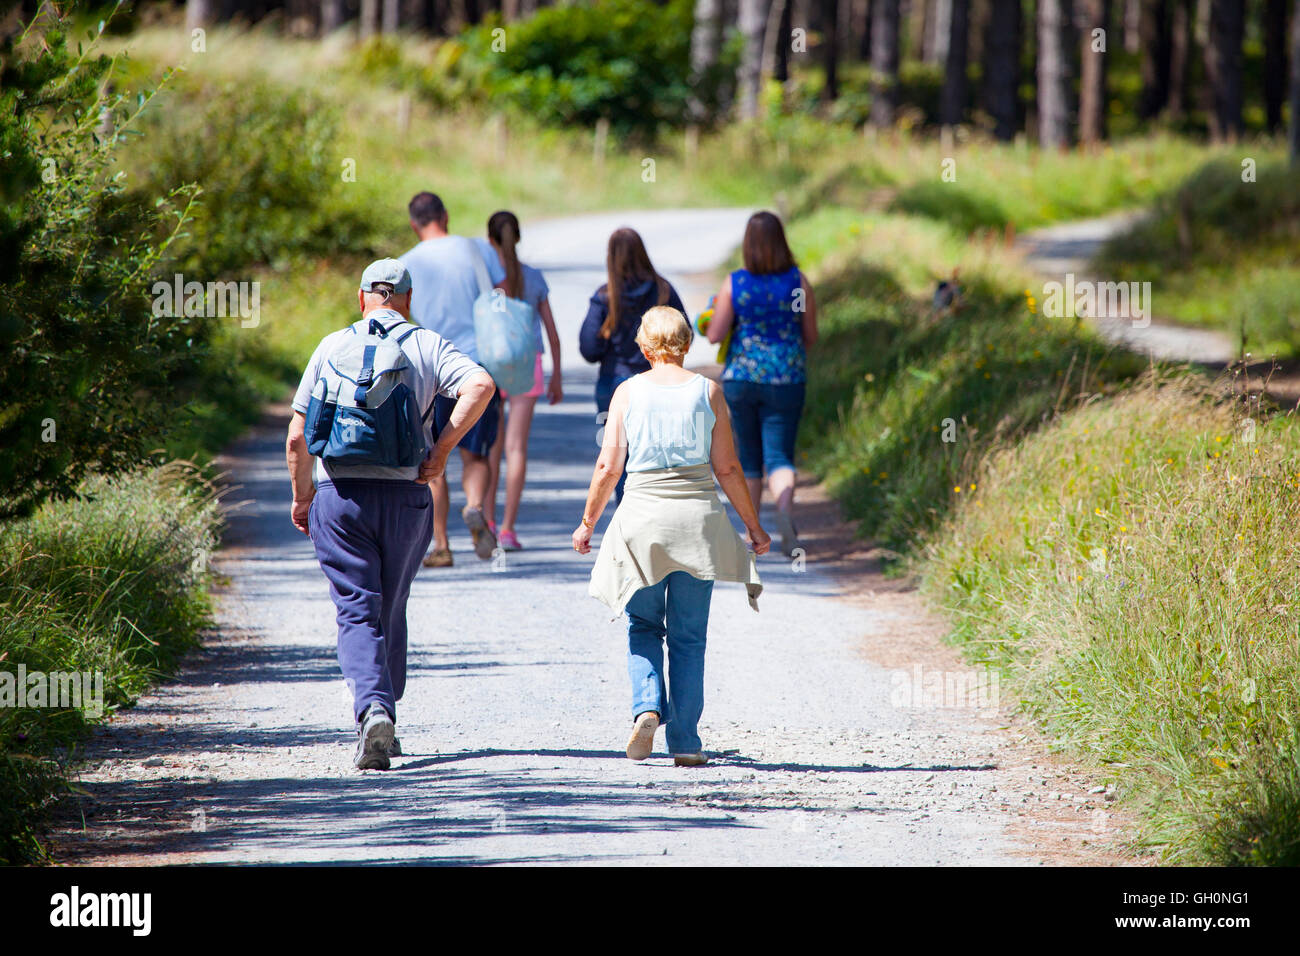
(517, 708)
(1070, 248)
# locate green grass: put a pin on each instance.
(1133, 566)
(112, 582)
(1119, 542)
(1220, 252)
(904, 402)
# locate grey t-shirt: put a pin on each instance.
(444, 285)
(535, 288)
(438, 369)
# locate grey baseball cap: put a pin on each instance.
(386, 270)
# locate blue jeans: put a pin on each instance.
(605, 388)
(681, 601)
(765, 421)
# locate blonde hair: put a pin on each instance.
(664, 331)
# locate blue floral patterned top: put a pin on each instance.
(767, 335)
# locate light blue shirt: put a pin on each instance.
(444, 285)
(668, 426)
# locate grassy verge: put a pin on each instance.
(906, 400)
(112, 583)
(1220, 251)
(1133, 566)
(1119, 541)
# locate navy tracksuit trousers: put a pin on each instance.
(369, 537)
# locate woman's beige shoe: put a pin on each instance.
(690, 760)
(642, 742)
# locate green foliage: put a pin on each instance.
(110, 582)
(625, 61)
(89, 375)
(905, 401)
(270, 173)
(1220, 251)
(1134, 565)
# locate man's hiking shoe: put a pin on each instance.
(485, 542)
(439, 558)
(696, 759)
(374, 740)
(789, 536)
(642, 742)
(395, 748)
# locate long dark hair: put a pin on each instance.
(765, 250)
(503, 229)
(625, 261)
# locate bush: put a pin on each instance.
(625, 61)
(89, 377)
(111, 582)
(269, 173)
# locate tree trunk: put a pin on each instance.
(706, 46)
(751, 15)
(779, 41)
(1223, 69)
(1053, 76)
(199, 13)
(1295, 90)
(1154, 43)
(884, 62)
(1002, 67)
(831, 48)
(864, 43)
(1180, 52)
(952, 102)
(938, 32)
(1275, 39)
(369, 19)
(392, 16)
(1092, 85)
(332, 15)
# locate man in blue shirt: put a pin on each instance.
(448, 273)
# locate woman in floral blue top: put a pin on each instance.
(769, 310)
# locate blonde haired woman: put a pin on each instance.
(670, 538)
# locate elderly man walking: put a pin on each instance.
(362, 428)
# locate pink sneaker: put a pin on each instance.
(509, 542)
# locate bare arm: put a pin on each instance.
(555, 389)
(471, 401)
(609, 468)
(723, 313)
(809, 314)
(726, 467)
(300, 464)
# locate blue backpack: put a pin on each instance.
(363, 409)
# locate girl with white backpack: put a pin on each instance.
(523, 283)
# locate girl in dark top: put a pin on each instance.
(768, 308)
(608, 333)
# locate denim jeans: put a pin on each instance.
(605, 388)
(680, 601)
(765, 421)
